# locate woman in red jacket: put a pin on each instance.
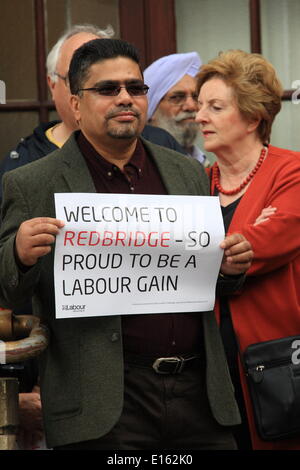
(259, 190)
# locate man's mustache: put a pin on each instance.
(185, 115)
(124, 109)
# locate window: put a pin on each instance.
(270, 27)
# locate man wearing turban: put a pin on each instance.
(172, 98)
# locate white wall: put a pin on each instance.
(280, 34)
(280, 20)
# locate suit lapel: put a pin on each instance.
(74, 168)
(169, 170)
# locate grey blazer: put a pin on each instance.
(81, 371)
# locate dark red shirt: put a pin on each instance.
(157, 334)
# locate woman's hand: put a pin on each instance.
(265, 214)
(238, 254)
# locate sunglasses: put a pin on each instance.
(110, 89)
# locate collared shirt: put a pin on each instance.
(148, 334)
(140, 175)
(199, 155)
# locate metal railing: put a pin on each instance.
(22, 337)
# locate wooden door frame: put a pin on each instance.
(42, 105)
(152, 19)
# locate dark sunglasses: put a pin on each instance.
(133, 89)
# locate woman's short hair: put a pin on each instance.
(257, 89)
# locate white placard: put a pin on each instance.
(134, 254)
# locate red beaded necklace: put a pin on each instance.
(216, 176)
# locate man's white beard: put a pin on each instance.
(184, 133)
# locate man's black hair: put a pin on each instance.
(95, 51)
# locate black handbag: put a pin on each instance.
(273, 374)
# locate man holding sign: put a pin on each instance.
(109, 381)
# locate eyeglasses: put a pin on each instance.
(62, 77)
(133, 89)
(178, 99)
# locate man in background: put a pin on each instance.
(173, 100)
(49, 136)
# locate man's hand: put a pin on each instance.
(35, 237)
(238, 255)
